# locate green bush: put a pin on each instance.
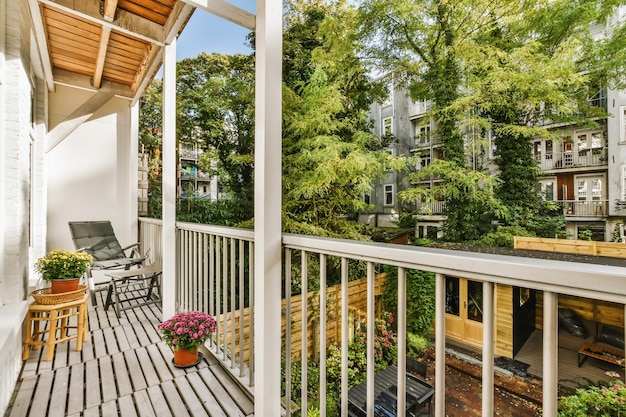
(415, 345)
(504, 236)
(606, 401)
(420, 294)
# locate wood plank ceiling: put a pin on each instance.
(109, 40)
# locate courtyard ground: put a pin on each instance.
(514, 396)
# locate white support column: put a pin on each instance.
(401, 341)
(267, 207)
(370, 367)
(169, 181)
(488, 327)
(440, 345)
(134, 172)
(550, 354)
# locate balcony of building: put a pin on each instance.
(573, 160)
(430, 209)
(418, 108)
(125, 368)
(585, 208)
(233, 274)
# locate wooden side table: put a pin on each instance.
(58, 318)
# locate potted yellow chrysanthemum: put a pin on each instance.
(62, 266)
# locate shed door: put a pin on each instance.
(464, 310)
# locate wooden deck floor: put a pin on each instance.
(124, 369)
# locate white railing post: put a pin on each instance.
(344, 336)
(370, 340)
(168, 235)
(440, 345)
(401, 342)
(322, 332)
(550, 354)
(488, 339)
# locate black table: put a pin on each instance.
(418, 393)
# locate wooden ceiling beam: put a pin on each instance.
(102, 53)
(40, 34)
(127, 23)
(109, 8)
(226, 11)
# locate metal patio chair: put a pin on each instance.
(98, 239)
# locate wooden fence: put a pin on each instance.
(580, 247)
(357, 302)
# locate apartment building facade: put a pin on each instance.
(192, 180)
(584, 170)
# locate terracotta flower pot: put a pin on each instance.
(64, 285)
(184, 357)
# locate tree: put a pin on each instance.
(470, 198)
(423, 45)
(499, 67)
(528, 72)
(330, 156)
(151, 118)
(216, 111)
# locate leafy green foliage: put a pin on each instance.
(504, 236)
(495, 67)
(471, 203)
(415, 344)
(330, 158)
(228, 212)
(420, 295)
(216, 111)
(595, 401)
(151, 119)
(385, 353)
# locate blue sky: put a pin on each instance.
(208, 33)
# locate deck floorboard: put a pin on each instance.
(123, 369)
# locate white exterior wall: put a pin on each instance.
(21, 141)
(92, 173)
(616, 100)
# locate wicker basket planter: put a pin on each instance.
(45, 296)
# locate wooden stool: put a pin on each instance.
(57, 316)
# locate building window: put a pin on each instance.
(387, 126)
(390, 194)
(548, 190)
(392, 153)
(537, 151)
(590, 141)
(589, 188)
(367, 198)
(591, 231)
(622, 123)
(424, 161)
(422, 134)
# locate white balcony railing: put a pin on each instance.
(589, 208)
(430, 208)
(418, 108)
(572, 159)
(214, 267)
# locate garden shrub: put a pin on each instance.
(415, 345)
(596, 401)
(420, 308)
(504, 236)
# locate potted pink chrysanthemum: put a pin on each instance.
(185, 333)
